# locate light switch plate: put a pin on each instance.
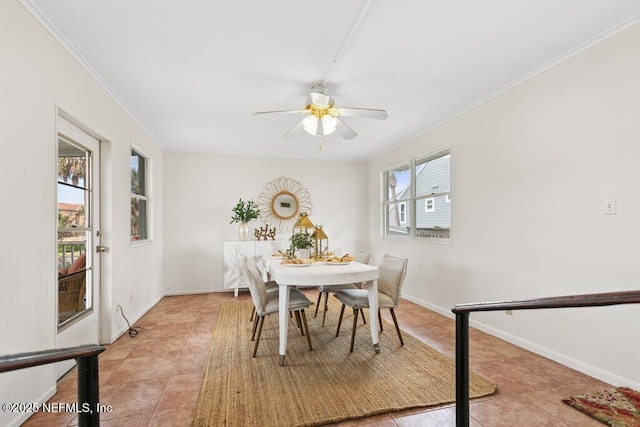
(609, 206)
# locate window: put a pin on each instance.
(397, 194)
(403, 212)
(75, 225)
(139, 197)
(417, 198)
(429, 205)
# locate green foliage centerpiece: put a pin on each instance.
(300, 240)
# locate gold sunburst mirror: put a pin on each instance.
(281, 201)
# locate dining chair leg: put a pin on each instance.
(353, 331)
(299, 322)
(255, 326)
(306, 327)
(340, 320)
(362, 314)
(395, 321)
(318, 303)
(326, 307)
(380, 320)
(260, 323)
(253, 312)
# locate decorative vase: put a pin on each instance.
(243, 231)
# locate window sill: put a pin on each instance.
(431, 240)
(137, 243)
(419, 239)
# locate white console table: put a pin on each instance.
(234, 250)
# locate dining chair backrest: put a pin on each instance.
(363, 257)
(256, 284)
(392, 271)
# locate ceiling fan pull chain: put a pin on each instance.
(320, 142)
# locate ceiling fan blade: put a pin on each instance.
(294, 130)
(345, 131)
(320, 99)
(278, 112)
(365, 113)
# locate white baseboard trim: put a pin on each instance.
(578, 365)
(24, 416)
(133, 320)
(201, 291)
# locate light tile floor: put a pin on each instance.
(154, 379)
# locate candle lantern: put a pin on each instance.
(321, 242)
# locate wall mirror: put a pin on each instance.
(284, 205)
(281, 201)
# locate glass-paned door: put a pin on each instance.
(75, 258)
(78, 219)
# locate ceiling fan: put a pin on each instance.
(323, 117)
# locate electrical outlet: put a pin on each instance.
(508, 312)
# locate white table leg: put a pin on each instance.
(235, 292)
(373, 314)
(283, 319)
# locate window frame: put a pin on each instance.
(145, 196)
(413, 200)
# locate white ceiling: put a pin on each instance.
(193, 72)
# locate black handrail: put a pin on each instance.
(87, 359)
(462, 312)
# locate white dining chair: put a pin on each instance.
(266, 303)
(363, 258)
(392, 272)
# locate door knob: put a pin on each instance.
(101, 249)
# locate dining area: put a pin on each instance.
(290, 276)
(321, 322)
(284, 348)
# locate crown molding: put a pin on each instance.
(51, 28)
(531, 74)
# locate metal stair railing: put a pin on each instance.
(462, 312)
(87, 359)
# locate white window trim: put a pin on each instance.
(439, 152)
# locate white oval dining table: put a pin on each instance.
(317, 274)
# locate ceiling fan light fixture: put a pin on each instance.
(322, 117)
(329, 123)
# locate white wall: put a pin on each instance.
(530, 170)
(201, 190)
(37, 75)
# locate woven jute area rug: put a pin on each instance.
(322, 386)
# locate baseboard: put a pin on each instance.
(202, 291)
(133, 320)
(446, 313)
(578, 365)
(570, 362)
(24, 416)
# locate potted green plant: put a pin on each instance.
(244, 212)
(301, 243)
